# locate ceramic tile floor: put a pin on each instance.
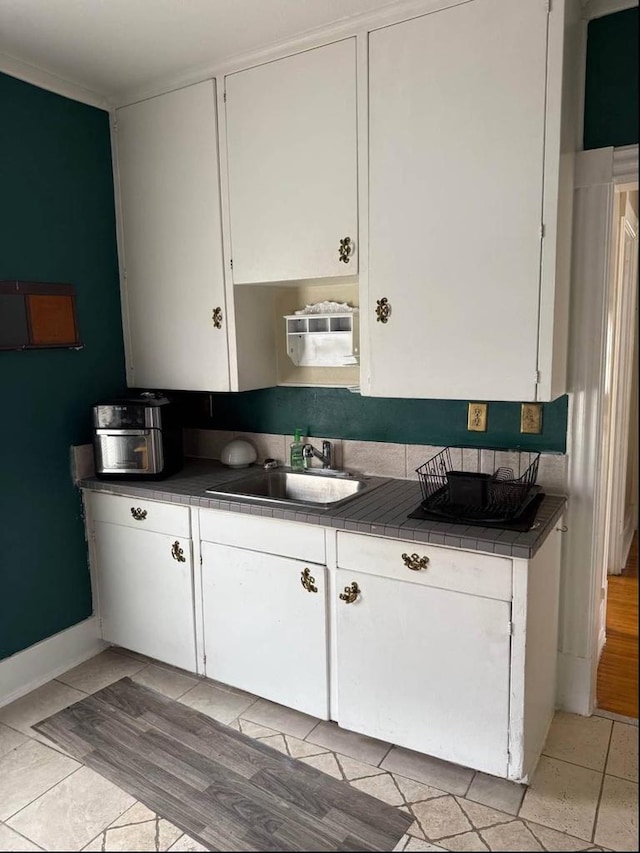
(584, 794)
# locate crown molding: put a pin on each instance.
(345, 28)
(625, 165)
(44, 80)
(599, 8)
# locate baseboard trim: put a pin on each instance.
(23, 672)
(619, 718)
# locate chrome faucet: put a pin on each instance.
(309, 451)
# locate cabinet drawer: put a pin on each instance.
(269, 535)
(140, 513)
(447, 568)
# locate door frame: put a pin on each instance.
(599, 175)
(620, 356)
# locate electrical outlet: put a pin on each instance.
(477, 417)
(531, 418)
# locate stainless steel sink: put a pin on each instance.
(284, 487)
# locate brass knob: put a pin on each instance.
(350, 593)
(415, 562)
(138, 514)
(307, 581)
(217, 317)
(177, 553)
(383, 309)
(345, 250)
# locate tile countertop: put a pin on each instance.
(382, 512)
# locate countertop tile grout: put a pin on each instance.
(381, 512)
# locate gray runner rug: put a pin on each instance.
(225, 789)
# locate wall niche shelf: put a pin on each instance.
(323, 340)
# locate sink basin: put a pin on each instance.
(290, 487)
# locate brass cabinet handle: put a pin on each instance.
(345, 250)
(177, 552)
(415, 562)
(138, 514)
(308, 581)
(350, 593)
(217, 317)
(383, 309)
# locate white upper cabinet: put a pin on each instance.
(459, 129)
(170, 205)
(291, 158)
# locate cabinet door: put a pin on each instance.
(291, 136)
(457, 119)
(170, 202)
(425, 668)
(145, 594)
(263, 631)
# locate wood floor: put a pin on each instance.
(226, 790)
(618, 667)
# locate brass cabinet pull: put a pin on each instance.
(383, 309)
(415, 562)
(345, 250)
(350, 593)
(217, 318)
(138, 514)
(177, 552)
(308, 581)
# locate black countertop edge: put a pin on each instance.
(381, 512)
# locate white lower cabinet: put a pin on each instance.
(264, 606)
(265, 626)
(144, 578)
(425, 668)
(445, 651)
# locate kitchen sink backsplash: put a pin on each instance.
(378, 458)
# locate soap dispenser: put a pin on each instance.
(296, 457)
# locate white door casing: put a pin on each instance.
(598, 174)
(619, 372)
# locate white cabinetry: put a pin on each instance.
(144, 569)
(448, 652)
(446, 658)
(464, 129)
(265, 615)
(172, 241)
(291, 154)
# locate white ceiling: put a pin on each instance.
(112, 47)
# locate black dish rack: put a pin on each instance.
(456, 494)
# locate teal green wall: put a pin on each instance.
(611, 89)
(56, 224)
(337, 413)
